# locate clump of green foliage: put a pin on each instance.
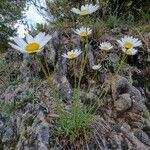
(25, 98)
(134, 7)
(98, 29)
(7, 107)
(110, 11)
(61, 15)
(10, 107)
(28, 121)
(112, 21)
(74, 124)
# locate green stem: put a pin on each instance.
(75, 79)
(51, 86)
(95, 74)
(85, 54)
(82, 72)
(124, 57)
(90, 85)
(103, 56)
(47, 67)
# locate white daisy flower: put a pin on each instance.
(31, 44)
(131, 51)
(85, 9)
(72, 54)
(96, 67)
(83, 31)
(129, 42)
(106, 46)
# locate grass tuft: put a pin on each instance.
(75, 124)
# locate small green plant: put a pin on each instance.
(72, 124)
(28, 121)
(145, 16)
(25, 98)
(10, 107)
(146, 28)
(112, 21)
(75, 124)
(146, 114)
(98, 29)
(7, 107)
(13, 143)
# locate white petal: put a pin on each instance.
(39, 37)
(84, 7)
(139, 43)
(45, 40)
(120, 42)
(64, 55)
(17, 48)
(29, 38)
(134, 51)
(41, 49)
(76, 50)
(75, 10)
(76, 31)
(79, 53)
(19, 41)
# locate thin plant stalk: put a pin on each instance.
(104, 92)
(90, 85)
(85, 54)
(75, 79)
(47, 67)
(124, 57)
(50, 84)
(103, 56)
(95, 74)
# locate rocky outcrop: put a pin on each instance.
(29, 122)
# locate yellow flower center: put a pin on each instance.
(83, 33)
(32, 47)
(84, 12)
(106, 48)
(71, 55)
(128, 44)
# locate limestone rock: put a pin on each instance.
(120, 85)
(123, 103)
(143, 137)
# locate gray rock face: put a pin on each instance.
(35, 136)
(42, 131)
(120, 86)
(8, 135)
(123, 103)
(63, 44)
(8, 95)
(143, 137)
(121, 137)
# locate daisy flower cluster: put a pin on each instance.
(129, 44)
(36, 44)
(83, 11)
(83, 31)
